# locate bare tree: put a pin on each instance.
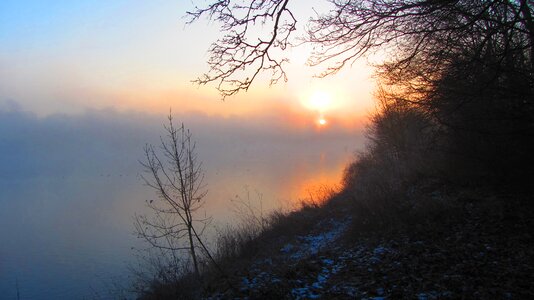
(468, 65)
(428, 34)
(175, 174)
(242, 54)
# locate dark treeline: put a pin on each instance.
(456, 104)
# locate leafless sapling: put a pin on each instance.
(175, 173)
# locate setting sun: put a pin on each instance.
(322, 121)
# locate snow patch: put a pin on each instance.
(311, 244)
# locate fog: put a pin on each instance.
(70, 184)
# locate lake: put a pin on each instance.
(70, 186)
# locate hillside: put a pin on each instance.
(478, 247)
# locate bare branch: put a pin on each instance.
(428, 32)
(242, 53)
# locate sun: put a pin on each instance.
(321, 102)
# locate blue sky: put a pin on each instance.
(65, 56)
(40, 23)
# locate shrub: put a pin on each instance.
(401, 151)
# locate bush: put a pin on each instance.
(401, 151)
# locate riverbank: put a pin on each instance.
(478, 246)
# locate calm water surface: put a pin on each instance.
(69, 187)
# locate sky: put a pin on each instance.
(71, 56)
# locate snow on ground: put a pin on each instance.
(327, 232)
(314, 290)
(316, 249)
(311, 244)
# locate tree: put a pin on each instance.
(427, 33)
(467, 64)
(237, 58)
(175, 174)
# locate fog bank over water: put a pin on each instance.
(262, 151)
(70, 184)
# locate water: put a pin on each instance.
(69, 187)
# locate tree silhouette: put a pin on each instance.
(175, 174)
(467, 65)
(241, 54)
(427, 33)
